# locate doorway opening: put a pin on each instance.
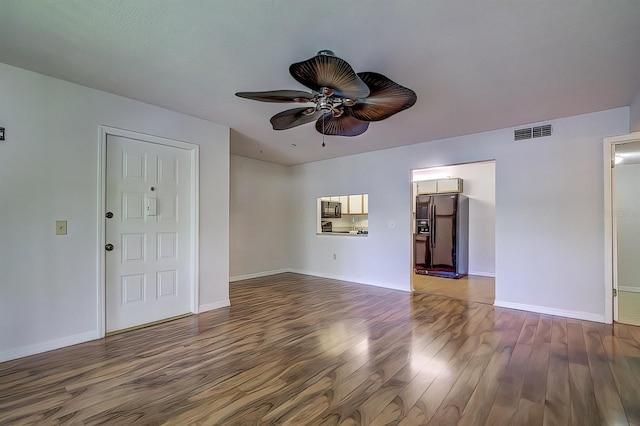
(475, 182)
(622, 229)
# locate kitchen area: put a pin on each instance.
(343, 215)
(453, 231)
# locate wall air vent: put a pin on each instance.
(532, 132)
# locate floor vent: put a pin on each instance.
(532, 132)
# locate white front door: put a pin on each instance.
(148, 251)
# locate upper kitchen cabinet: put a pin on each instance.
(355, 204)
(358, 204)
(351, 204)
(440, 186)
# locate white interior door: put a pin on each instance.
(148, 250)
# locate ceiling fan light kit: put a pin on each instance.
(344, 102)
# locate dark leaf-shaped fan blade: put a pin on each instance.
(344, 125)
(332, 72)
(294, 117)
(280, 96)
(386, 98)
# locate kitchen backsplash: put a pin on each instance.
(348, 222)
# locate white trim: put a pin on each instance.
(349, 279)
(101, 324)
(258, 275)
(586, 316)
(195, 229)
(610, 268)
(214, 305)
(15, 353)
(628, 288)
(194, 157)
(482, 274)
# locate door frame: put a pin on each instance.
(194, 157)
(610, 238)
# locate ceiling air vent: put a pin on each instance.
(532, 132)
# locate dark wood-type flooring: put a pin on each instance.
(294, 349)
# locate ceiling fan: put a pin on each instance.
(343, 102)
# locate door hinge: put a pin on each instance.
(615, 292)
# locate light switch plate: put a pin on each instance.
(61, 227)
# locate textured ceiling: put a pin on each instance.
(475, 65)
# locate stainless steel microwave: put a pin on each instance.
(331, 209)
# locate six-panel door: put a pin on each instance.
(147, 271)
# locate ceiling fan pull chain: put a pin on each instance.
(323, 145)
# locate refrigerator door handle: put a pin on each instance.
(432, 233)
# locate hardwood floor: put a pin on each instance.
(294, 349)
(472, 288)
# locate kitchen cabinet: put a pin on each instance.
(337, 199)
(344, 200)
(440, 186)
(351, 204)
(355, 204)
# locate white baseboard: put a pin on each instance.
(49, 345)
(587, 316)
(343, 278)
(258, 275)
(483, 274)
(630, 289)
(214, 305)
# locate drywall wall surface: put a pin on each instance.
(260, 217)
(548, 213)
(627, 217)
(49, 170)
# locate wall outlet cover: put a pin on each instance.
(61, 227)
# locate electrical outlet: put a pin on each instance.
(335, 256)
(61, 227)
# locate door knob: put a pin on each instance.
(108, 247)
(109, 215)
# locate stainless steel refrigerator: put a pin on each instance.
(441, 239)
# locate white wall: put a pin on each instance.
(48, 172)
(549, 213)
(260, 218)
(479, 185)
(627, 216)
(634, 115)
